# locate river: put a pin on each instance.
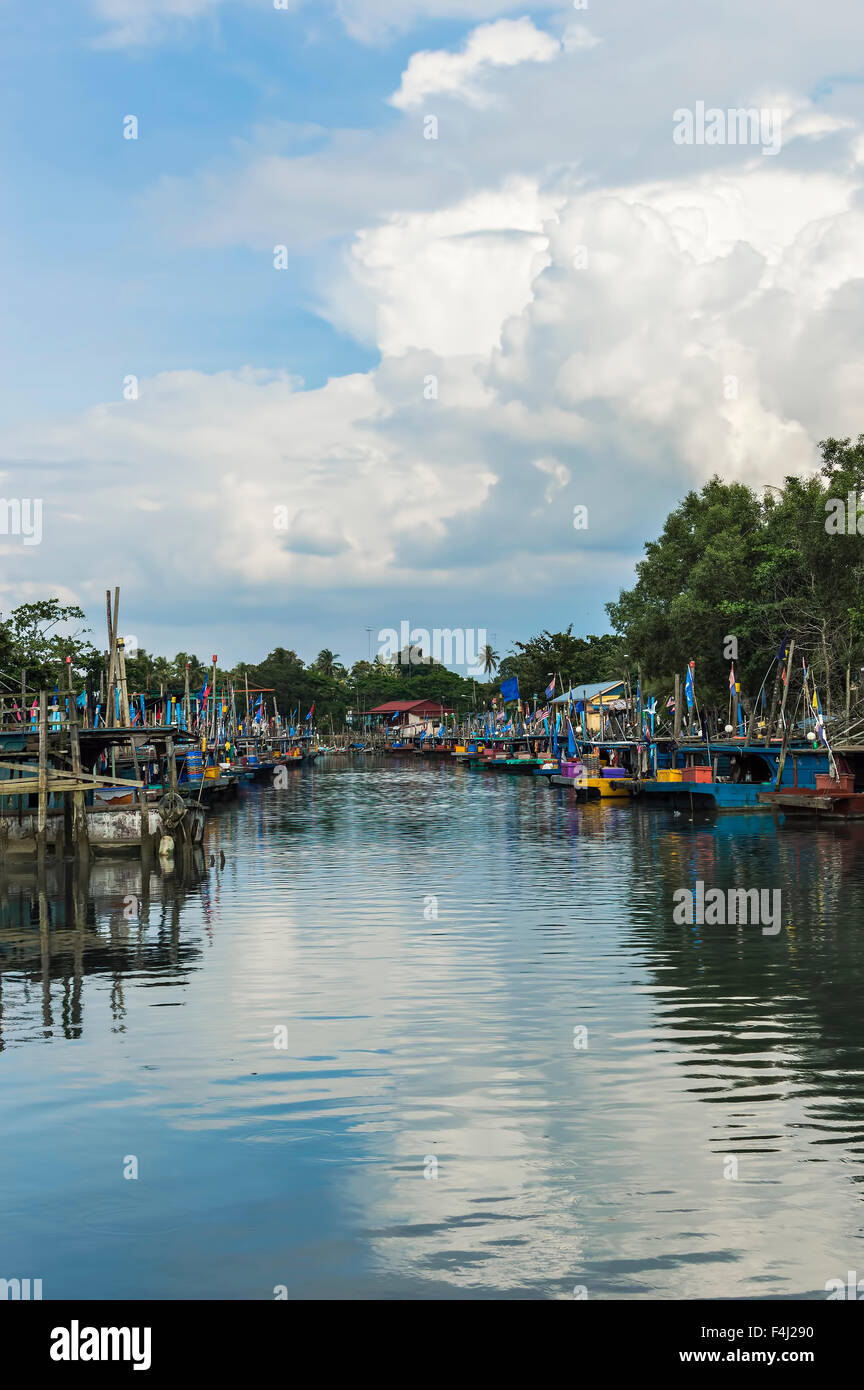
(415, 1031)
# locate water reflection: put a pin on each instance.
(405, 1037)
(115, 918)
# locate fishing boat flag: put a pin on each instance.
(783, 657)
(689, 688)
(732, 676)
(550, 689)
(510, 688)
(820, 723)
(312, 711)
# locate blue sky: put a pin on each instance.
(605, 384)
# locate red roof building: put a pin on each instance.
(407, 714)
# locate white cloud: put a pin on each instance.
(502, 45)
(608, 319)
(447, 281)
(135, 23)
(599, 383)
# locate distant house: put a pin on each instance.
(599, 699)
(408, 714)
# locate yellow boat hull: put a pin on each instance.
(611, 788)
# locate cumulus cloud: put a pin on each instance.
(501, 45)
(446, 281)
(687, 336)
(569, 308)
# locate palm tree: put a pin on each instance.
(490, 659)
(162, 669)
(325, 662)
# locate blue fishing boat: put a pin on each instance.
(734, 774)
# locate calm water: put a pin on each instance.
(289, 1042)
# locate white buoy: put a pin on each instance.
(166, 847)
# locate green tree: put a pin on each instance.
(577, 660)
(38, 637)
(730, 563)
(326, 663)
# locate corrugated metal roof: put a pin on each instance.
(403, 706)
(589, 692)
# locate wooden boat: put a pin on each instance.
(110, 830)
(604, 771)
(734, 775)
(512, 755)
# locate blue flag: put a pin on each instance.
(571, 742)
(510, 688)
(689, 690)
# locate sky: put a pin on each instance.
(380, 293)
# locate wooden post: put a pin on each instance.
(112, 647)
(676, 730)
(79, 810)
(785, 742)
(751, 727)
(172, 764)
(772, 708)
(125, 717)
(42, 811)
(178, 833)
(143, 804)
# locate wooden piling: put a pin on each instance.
(172, 764)
(772, 708)
(125, 718)
(112, 651)
(80, 838)
(143, 804)
(782, 759)
(42, 811)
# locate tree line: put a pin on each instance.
(732, 562)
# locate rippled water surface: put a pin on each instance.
(329, 1088)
